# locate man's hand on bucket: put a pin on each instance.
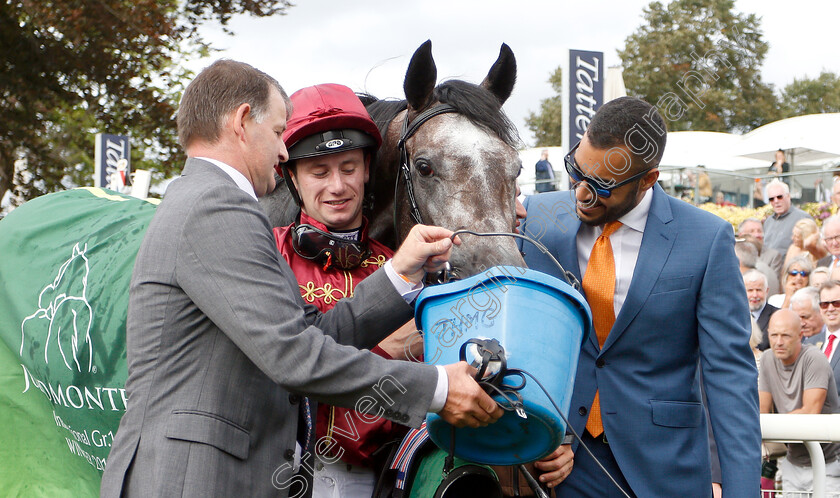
(467, 404)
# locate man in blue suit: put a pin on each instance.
(677, 307)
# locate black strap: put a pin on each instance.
(408, 130)
(490, 350)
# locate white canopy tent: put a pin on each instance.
(810, 140)
(614, 83)
(734, 161)
(686, 149)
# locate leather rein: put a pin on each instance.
(409, 129)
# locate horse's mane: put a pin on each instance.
(473, 101)
(383, 111)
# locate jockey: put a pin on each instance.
(331, 139)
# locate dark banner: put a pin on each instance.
(112, 161)
(585, 78)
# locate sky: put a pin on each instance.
(367, 45)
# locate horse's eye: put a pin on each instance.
(424, 168)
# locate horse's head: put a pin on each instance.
(461, 163)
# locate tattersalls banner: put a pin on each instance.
(112, 161)
(584, 87)
(65, 265)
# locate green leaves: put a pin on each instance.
(700, 62)
(707, 56)
(812, 96)
(547, 123)
(70, 69)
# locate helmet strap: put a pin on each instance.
(287, 178)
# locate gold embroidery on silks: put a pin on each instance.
(348, 284)
(328, 293)
(378, 260)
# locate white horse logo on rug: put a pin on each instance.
(63, 316)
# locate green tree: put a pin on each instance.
(699, 61)
(547, 124)
(812, 96)
(70, 69)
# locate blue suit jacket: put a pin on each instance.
(686, 303)
(818, 340)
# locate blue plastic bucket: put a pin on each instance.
(540, 321)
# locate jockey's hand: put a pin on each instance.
(405, 343)
(425, 249)
(557, 466)
(466, 403)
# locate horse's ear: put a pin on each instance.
(420, 77)
(502, 75)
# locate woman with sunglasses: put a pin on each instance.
(795, 277)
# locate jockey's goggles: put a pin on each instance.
(326, 249)
(601, 188)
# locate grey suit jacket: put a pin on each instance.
(818, 340)
(218, 337)
(773, 259)
(773, 285)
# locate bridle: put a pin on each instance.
(409, 129)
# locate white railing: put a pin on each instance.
(809, 429)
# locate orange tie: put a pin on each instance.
(599, 287)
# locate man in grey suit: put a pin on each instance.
(220, 344)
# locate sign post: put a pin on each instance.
(583, 87)
(112, 161)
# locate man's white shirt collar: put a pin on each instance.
(235, 175)
(637, 217)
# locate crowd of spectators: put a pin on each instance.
(792, 280)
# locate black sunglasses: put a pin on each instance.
(601, 188)
(780, 197)
(824, 304)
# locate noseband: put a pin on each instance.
(409, 129)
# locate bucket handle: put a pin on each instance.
(570, 277)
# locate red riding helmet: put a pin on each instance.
(326, 119)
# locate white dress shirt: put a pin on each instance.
(836, 343)
(626, 242)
